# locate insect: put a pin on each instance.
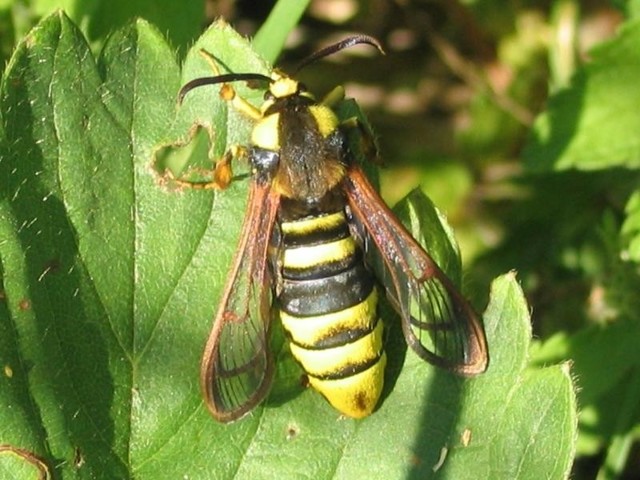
(317, 243)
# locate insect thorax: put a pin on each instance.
(306, 147)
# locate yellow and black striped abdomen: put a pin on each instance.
(328, 305)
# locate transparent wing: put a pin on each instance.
(438, 323)
(237, 366)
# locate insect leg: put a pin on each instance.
(367, 144)
(221, 174)
(228, 93)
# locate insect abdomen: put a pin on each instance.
(328, 305)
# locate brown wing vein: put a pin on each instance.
(438, 323)
(237, 366)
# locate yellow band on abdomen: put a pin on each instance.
(307, 225)
(314, 255)
(313, 330)
(331, 361)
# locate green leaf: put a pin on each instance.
(594, 123)
(615, 346)
(630, 8)
(69, 232)
(182, 21)
(20, 463)
(524, 419)
(276, 28)
(631, 227)
(111, 277)
(431, 229)
(606, 363)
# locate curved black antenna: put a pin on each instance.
(227, 77)
(336, 47)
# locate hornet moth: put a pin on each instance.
(319, 245)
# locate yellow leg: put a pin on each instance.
(211, 60)
(228, 93)
(222, 172)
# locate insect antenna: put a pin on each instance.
(225, 78)
(336, 47)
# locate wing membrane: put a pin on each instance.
(438, 323)
(237, 367)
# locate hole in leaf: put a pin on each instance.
(188, 160)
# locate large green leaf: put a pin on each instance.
(593, 124)
(111, 277)
(182, 21)
(605, 362)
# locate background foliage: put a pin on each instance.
(518, 119)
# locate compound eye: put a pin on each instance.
(302, 88)
(268, 96)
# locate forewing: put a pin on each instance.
(237, 366)
(438, 323)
